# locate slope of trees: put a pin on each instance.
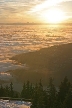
(55, 61)
(49, 97)
(8, 91)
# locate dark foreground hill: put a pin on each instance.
(55, 61)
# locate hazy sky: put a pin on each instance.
(30, 10)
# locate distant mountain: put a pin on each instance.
(55, 61)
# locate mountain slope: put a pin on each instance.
(55, 61)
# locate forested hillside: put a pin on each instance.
(40, 97)
(55, 62)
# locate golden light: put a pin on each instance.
(53, 15)
(45, 4)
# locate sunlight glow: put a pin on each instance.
(53, 15)
(45, 4)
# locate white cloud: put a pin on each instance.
(47, 4)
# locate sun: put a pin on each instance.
(53, 15)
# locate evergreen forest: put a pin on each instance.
(42, 97)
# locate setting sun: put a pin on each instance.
(53, 15)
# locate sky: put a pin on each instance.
(22, 11)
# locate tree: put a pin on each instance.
(31, 90)
(40, 103)
(38, 96)
(11, 90)
(28, 90)
(63, 91)
(23, 92)
(7, 92)
(35, 97)
(2, 91)
(51, 94)
(68, 99)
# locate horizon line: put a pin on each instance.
(33, 23)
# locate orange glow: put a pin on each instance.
(53, 15)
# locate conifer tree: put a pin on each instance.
(38, 97)
(40, 103)
(23, 92)
(45, 99)
(7, 92)
(2, 91)
(31, 90)
(68, 99)
(51, 93)
(63, 91)
(11, 90)
(28, 90)
(35, 97)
